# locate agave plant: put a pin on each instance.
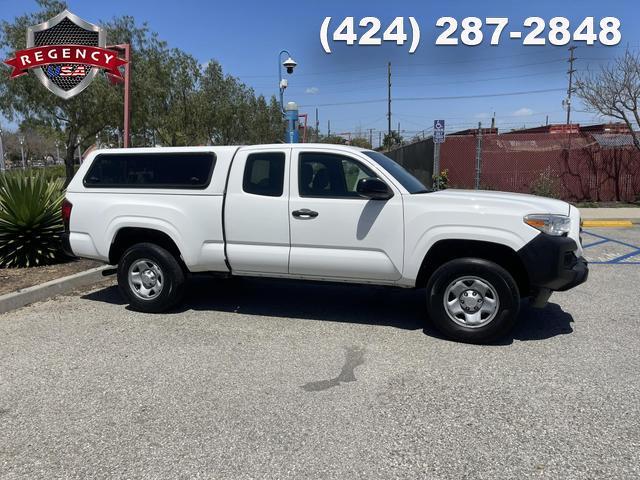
(30, 220)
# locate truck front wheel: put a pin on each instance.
(150, 278)
(472, 300)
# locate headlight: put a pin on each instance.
(556, 225)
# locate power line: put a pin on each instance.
(447, 117)
(417, 99)
(492, 69)
(406, 65)
(420, 85)
(359, 79)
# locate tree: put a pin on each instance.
(38, 145)
(334, 139)
(361, 142)
(176, 107)
(614, 91)
(391, 140)
(313, 136)
(231, 112)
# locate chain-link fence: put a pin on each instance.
(580, 166)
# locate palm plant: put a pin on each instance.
(30, 220)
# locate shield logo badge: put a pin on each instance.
(66, 80)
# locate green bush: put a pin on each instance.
(54, 172)
(30, 219)
(441, 180)
(547, 184)
(51, 172)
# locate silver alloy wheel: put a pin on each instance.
(146, 279)
(471, 302)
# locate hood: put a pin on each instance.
(528, 204)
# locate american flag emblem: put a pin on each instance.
(73, 71)
(54, 71)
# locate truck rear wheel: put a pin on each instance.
(473, 300)
(150, 278)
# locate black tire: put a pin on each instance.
(171, 274)
(488, 273)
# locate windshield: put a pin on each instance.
(408, 181)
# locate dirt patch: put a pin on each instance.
(14, 279)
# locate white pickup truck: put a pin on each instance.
(319, 212)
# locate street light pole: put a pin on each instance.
(291, 116)
(290, 112)
(21, 139)
(282, 83)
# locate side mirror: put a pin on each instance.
(373, 188)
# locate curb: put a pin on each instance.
(607, 223)
(14, 300)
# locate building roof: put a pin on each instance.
(555, 128)
(607, 140)
(474, 131)
(606, 128)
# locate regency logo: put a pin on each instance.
(66, 53)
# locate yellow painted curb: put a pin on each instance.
(607, 223)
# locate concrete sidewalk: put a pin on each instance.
(610, 217)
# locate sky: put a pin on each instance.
(349, 86)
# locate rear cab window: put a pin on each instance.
(264, 174)
(180, 170)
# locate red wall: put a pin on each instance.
(575, 166)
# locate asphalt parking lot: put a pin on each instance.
(275, 379)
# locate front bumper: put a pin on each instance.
(552, 265)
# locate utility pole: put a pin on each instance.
(328, 128)
(478, 156)
(317, 126)
(371, 137)
(380, 138)
(571, 71)
(389, 99)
